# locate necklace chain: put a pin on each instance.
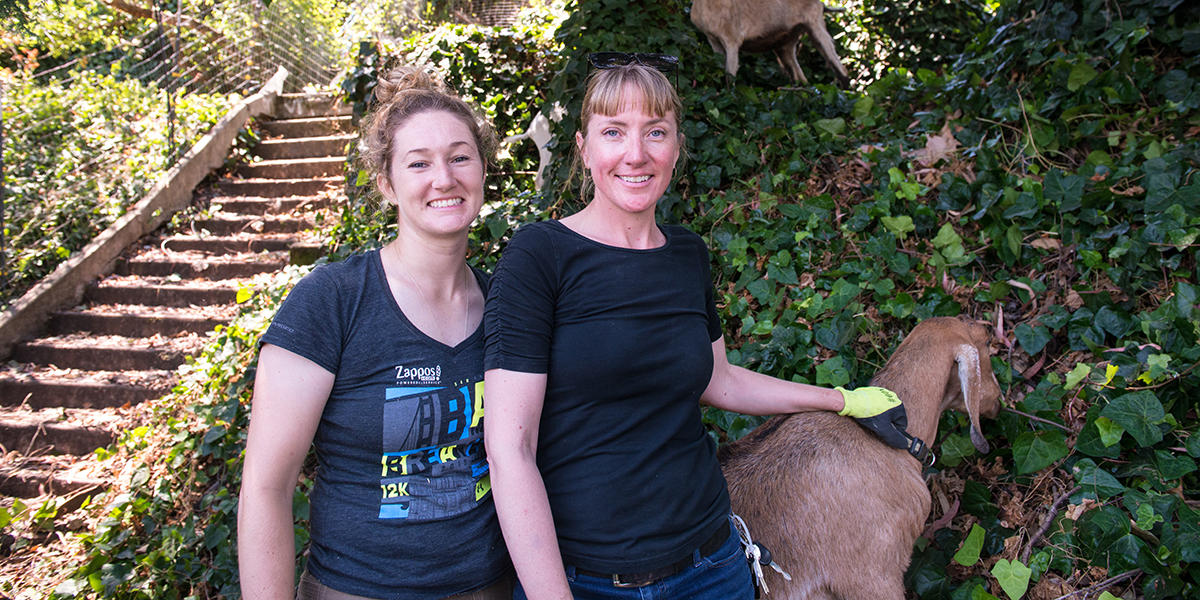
(425, 299)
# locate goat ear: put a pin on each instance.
(970, 378)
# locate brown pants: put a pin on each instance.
(311, 589)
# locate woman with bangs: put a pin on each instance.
(602, 339)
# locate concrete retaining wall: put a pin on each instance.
(173, 192)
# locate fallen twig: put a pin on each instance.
(1037, 536)
(1038, 419)
(1103, 585)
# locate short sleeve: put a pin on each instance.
(519, 315)
(308, 322)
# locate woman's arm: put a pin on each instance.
(513, 410)
(290, 392)
(742, 390)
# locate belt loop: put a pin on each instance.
(696, 557)
(570, 571)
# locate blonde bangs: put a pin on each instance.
(606, 92)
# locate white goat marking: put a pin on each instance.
(967, 358)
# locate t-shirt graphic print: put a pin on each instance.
(433, 465)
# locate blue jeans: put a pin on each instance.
(723, 575)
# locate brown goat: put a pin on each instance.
(838, 508)
(775, 25)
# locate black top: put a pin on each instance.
(625, 338)
(401, 508)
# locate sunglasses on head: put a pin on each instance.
(664, 63)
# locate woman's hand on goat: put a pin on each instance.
(880, 411)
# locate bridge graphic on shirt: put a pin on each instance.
(432, 465)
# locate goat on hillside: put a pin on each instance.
(774, 25)
(840, 509)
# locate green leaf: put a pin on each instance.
(1139, 413)
(1171, 466)
(1110, 432)
(1079, 373)
(946, 237)
(1146, 517)
(833, 372)
(1107, 596)
(1036, 450)
(364, 177)
(968, 554)
(899, 226)
(1096, 482)
(1032, 338)
(833, 127)
(1081, 74)
(1013, 577)
(1066, 192)
(955, 448)
(1193, 444)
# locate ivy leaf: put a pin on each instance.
(1079, 373)
(1097, 483)
(955, 448)
(1013, 577)
(1064, 191)
(968, 554)
(899, 226)
(1110, 432)
(833, 127)
(1193, 444)
(1034, 451)
(833, 372)
(1139, 413)
(1032, 338)
(1171, 466)
(1081, 74)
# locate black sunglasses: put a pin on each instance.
(664, 63)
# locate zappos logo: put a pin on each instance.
(422, 374)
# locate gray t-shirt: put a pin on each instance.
(402, 504)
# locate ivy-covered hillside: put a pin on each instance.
(1030, 164)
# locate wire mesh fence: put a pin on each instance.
(84, 139)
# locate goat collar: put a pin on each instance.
(920, 451)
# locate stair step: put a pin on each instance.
(51, 387)
(295, 106)
(73, 431)
(307, 126)
(208, 267)
(326, 145)
(174, 294)
(274, 188)
(294, 168)
(139, 321)
(229, 224)
(89, 352)
(59, 475)
(263, 206)
(227, 244)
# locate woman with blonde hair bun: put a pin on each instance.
(377, 362)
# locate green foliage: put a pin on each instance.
(171, 534)
(496, 69)
(76, 156)
(1065, 211)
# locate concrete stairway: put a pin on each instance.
(68, 392)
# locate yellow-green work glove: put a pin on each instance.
(880, 411)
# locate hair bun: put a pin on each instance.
(398, 80)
